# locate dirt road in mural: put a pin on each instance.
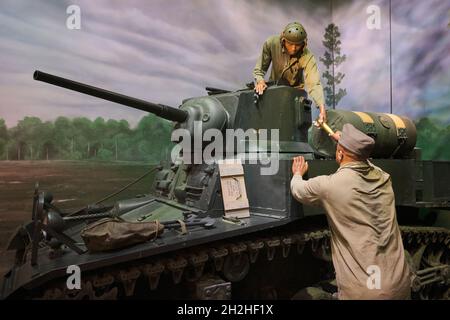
(73, 184)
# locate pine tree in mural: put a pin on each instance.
(332, 59)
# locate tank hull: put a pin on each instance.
(264, 219)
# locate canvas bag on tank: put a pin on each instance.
(114, 233)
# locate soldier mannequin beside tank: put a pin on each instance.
(366, 243)
(292, 64)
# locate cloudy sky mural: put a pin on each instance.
(420, 60)
(167, 50)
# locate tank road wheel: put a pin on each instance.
(212, 288)
(106, 294)
(268, 293)
(51, 294)
(236, 267)
(429, 258)
(197, 262)
(437, 279)
(87, 292)
(312, 293)
(321, 249)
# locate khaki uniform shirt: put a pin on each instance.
(365, 237)
(300, 70)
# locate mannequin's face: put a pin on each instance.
(292, 48)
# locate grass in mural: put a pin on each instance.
(73, 184)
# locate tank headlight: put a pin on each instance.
(54, 220)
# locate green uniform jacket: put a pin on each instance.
(300, 70)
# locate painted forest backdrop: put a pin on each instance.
(380, 56)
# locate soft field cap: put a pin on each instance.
(355, 141)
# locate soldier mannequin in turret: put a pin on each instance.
(293, 64)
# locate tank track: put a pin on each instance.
(428, 249)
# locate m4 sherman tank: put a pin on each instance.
(207, 250)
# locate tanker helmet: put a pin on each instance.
(294, 33)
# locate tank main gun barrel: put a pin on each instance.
(160, 110)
